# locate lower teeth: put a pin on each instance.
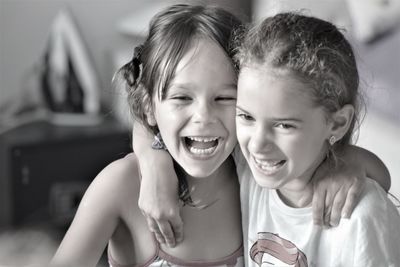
(270, 167)
(199, 151)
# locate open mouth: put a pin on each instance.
(201, 146)
(269, 166)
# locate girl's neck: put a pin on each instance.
(205, 190)
(297, 198)
(299, 192)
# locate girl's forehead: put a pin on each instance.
(205, 65)
(261, 74)
(203, 48)
(277, 88)
(205, 58)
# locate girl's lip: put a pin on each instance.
(267, 162)
(202, 154)
(204, 138)
(268, 167)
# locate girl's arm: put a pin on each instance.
(374, 167)
(336, 192)
(92, 226)
(158, 199)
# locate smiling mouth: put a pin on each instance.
(201, 146)
(269, 166)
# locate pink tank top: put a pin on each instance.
(161, 259)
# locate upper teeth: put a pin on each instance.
(267, 163)
(202, 139)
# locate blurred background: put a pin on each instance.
(62, 119)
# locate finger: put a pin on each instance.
(167, 233)
(318, 204)
(351, 200)
(152, 224)
(153, 227)
(160, 238)
(327, 217)
(177, 228)
(328, 209)
(337, 207)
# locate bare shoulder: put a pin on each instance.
(99, 213)
(117, 183)
(121, 171)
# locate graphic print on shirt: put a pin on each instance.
(272, 250)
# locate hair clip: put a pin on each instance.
(158, 143)
(137, 52)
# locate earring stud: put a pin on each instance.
(332, 140)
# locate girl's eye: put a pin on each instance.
(181, 98)
(225, 98)
(244, 117)
(284, 126)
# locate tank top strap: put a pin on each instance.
(229, 260)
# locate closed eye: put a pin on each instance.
(181, 98)
(225, 98)
(245, 117)
(285, 126)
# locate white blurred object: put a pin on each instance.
(67, 42)
(372, 18)
(48, 85)
(119, 101)
(331, 10)
(367, 19)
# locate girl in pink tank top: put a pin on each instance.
(181, 86)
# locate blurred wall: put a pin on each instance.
(24, 27)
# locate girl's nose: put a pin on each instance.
(260, 140)
(204, 113)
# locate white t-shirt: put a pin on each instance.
(275, 234)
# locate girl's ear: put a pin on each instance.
(151, 120)
(341, 121)
(149, 111)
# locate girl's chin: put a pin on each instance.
(202, 168)
(199, 172)
(267, 182)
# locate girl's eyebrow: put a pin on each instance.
(241, 109)
(230, 86)
(288, 119)
(187, 86)
(293, 119)
(184, 86)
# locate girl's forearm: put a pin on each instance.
(373, 165)
(142, 139)
(158, 198)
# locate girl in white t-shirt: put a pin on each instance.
(159, 198)
(298, 92)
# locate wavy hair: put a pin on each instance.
(315, 51)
